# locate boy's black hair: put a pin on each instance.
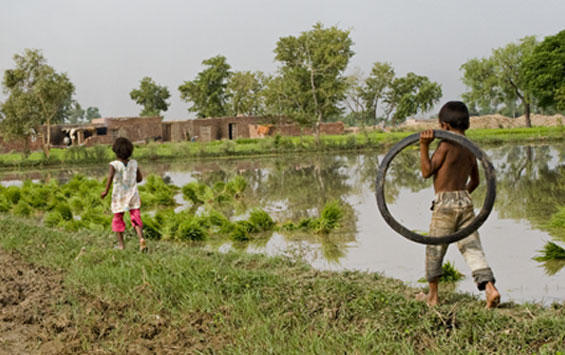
(123, 148)
(456, 114)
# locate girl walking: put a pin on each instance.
(124, 175)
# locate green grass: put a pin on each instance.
(269, 145)
(240, 303)
(551, 251)
(450, 274)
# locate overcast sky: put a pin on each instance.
(107, 46)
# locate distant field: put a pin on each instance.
(270, 145)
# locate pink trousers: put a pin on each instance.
(118, 224)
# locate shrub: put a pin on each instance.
(236, 186)
(450, 274)
(5, 205)
(151, 229)
(190, 230)
(52, 219)
(22, 208)
(329, 219)
(261, 219)
(197, 193)
(551, 251)
(217, 219)
(13, 194)
(239, 233)
(65, 211)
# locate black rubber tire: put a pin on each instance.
(479, 219)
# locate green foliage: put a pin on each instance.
(450, 274)
(401, 97)
(242, 229)
(64, 210)
(5, 204)
(53, 219)
(499, 79)
(22, 208)
(330, 217)
(551, 251)
(261, 220)
(276, 299)
(12, 194)
(197, 193)
(244, 90)
(75, 114)
(37, 95)
(311, 84)
(544, 71)
(157, 193)
(151, 96)
(207, 93)
(556, 224)
(92, 113)
(191, 230)
(409, 95)
(151, 229)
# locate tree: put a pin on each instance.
(376, 85)
(544, 71)
(499, 78)
(92, 112)
(151, 96)
(244, 90)
(409, 95)
(312, 67)
(354, 100)
(207, 92)
(75, 114)
(485, 94)
(37, 95)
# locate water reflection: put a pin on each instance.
(530, 189)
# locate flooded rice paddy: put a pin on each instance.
(530, 187)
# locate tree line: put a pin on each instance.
(309, 86)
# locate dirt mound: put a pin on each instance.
(492, 121)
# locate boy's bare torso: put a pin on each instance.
(454, 165)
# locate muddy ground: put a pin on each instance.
(39, 316)
(28, 297)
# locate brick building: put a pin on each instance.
(145, 129)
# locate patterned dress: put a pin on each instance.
(125, 196)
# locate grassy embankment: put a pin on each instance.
(270, 145)
(182, 298)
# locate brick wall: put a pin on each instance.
(18, 145)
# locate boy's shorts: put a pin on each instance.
(118, 224)
(452, 211)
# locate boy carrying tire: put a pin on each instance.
(456, 174)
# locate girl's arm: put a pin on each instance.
(108, 182)
(139, 176)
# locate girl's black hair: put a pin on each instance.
(123, 148)
(456, 114)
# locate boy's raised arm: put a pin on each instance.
(429, 166)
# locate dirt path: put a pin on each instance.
(27, 297)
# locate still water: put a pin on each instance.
(530, 187)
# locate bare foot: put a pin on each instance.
(492, 294)
(428, 298)
(142, 245)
